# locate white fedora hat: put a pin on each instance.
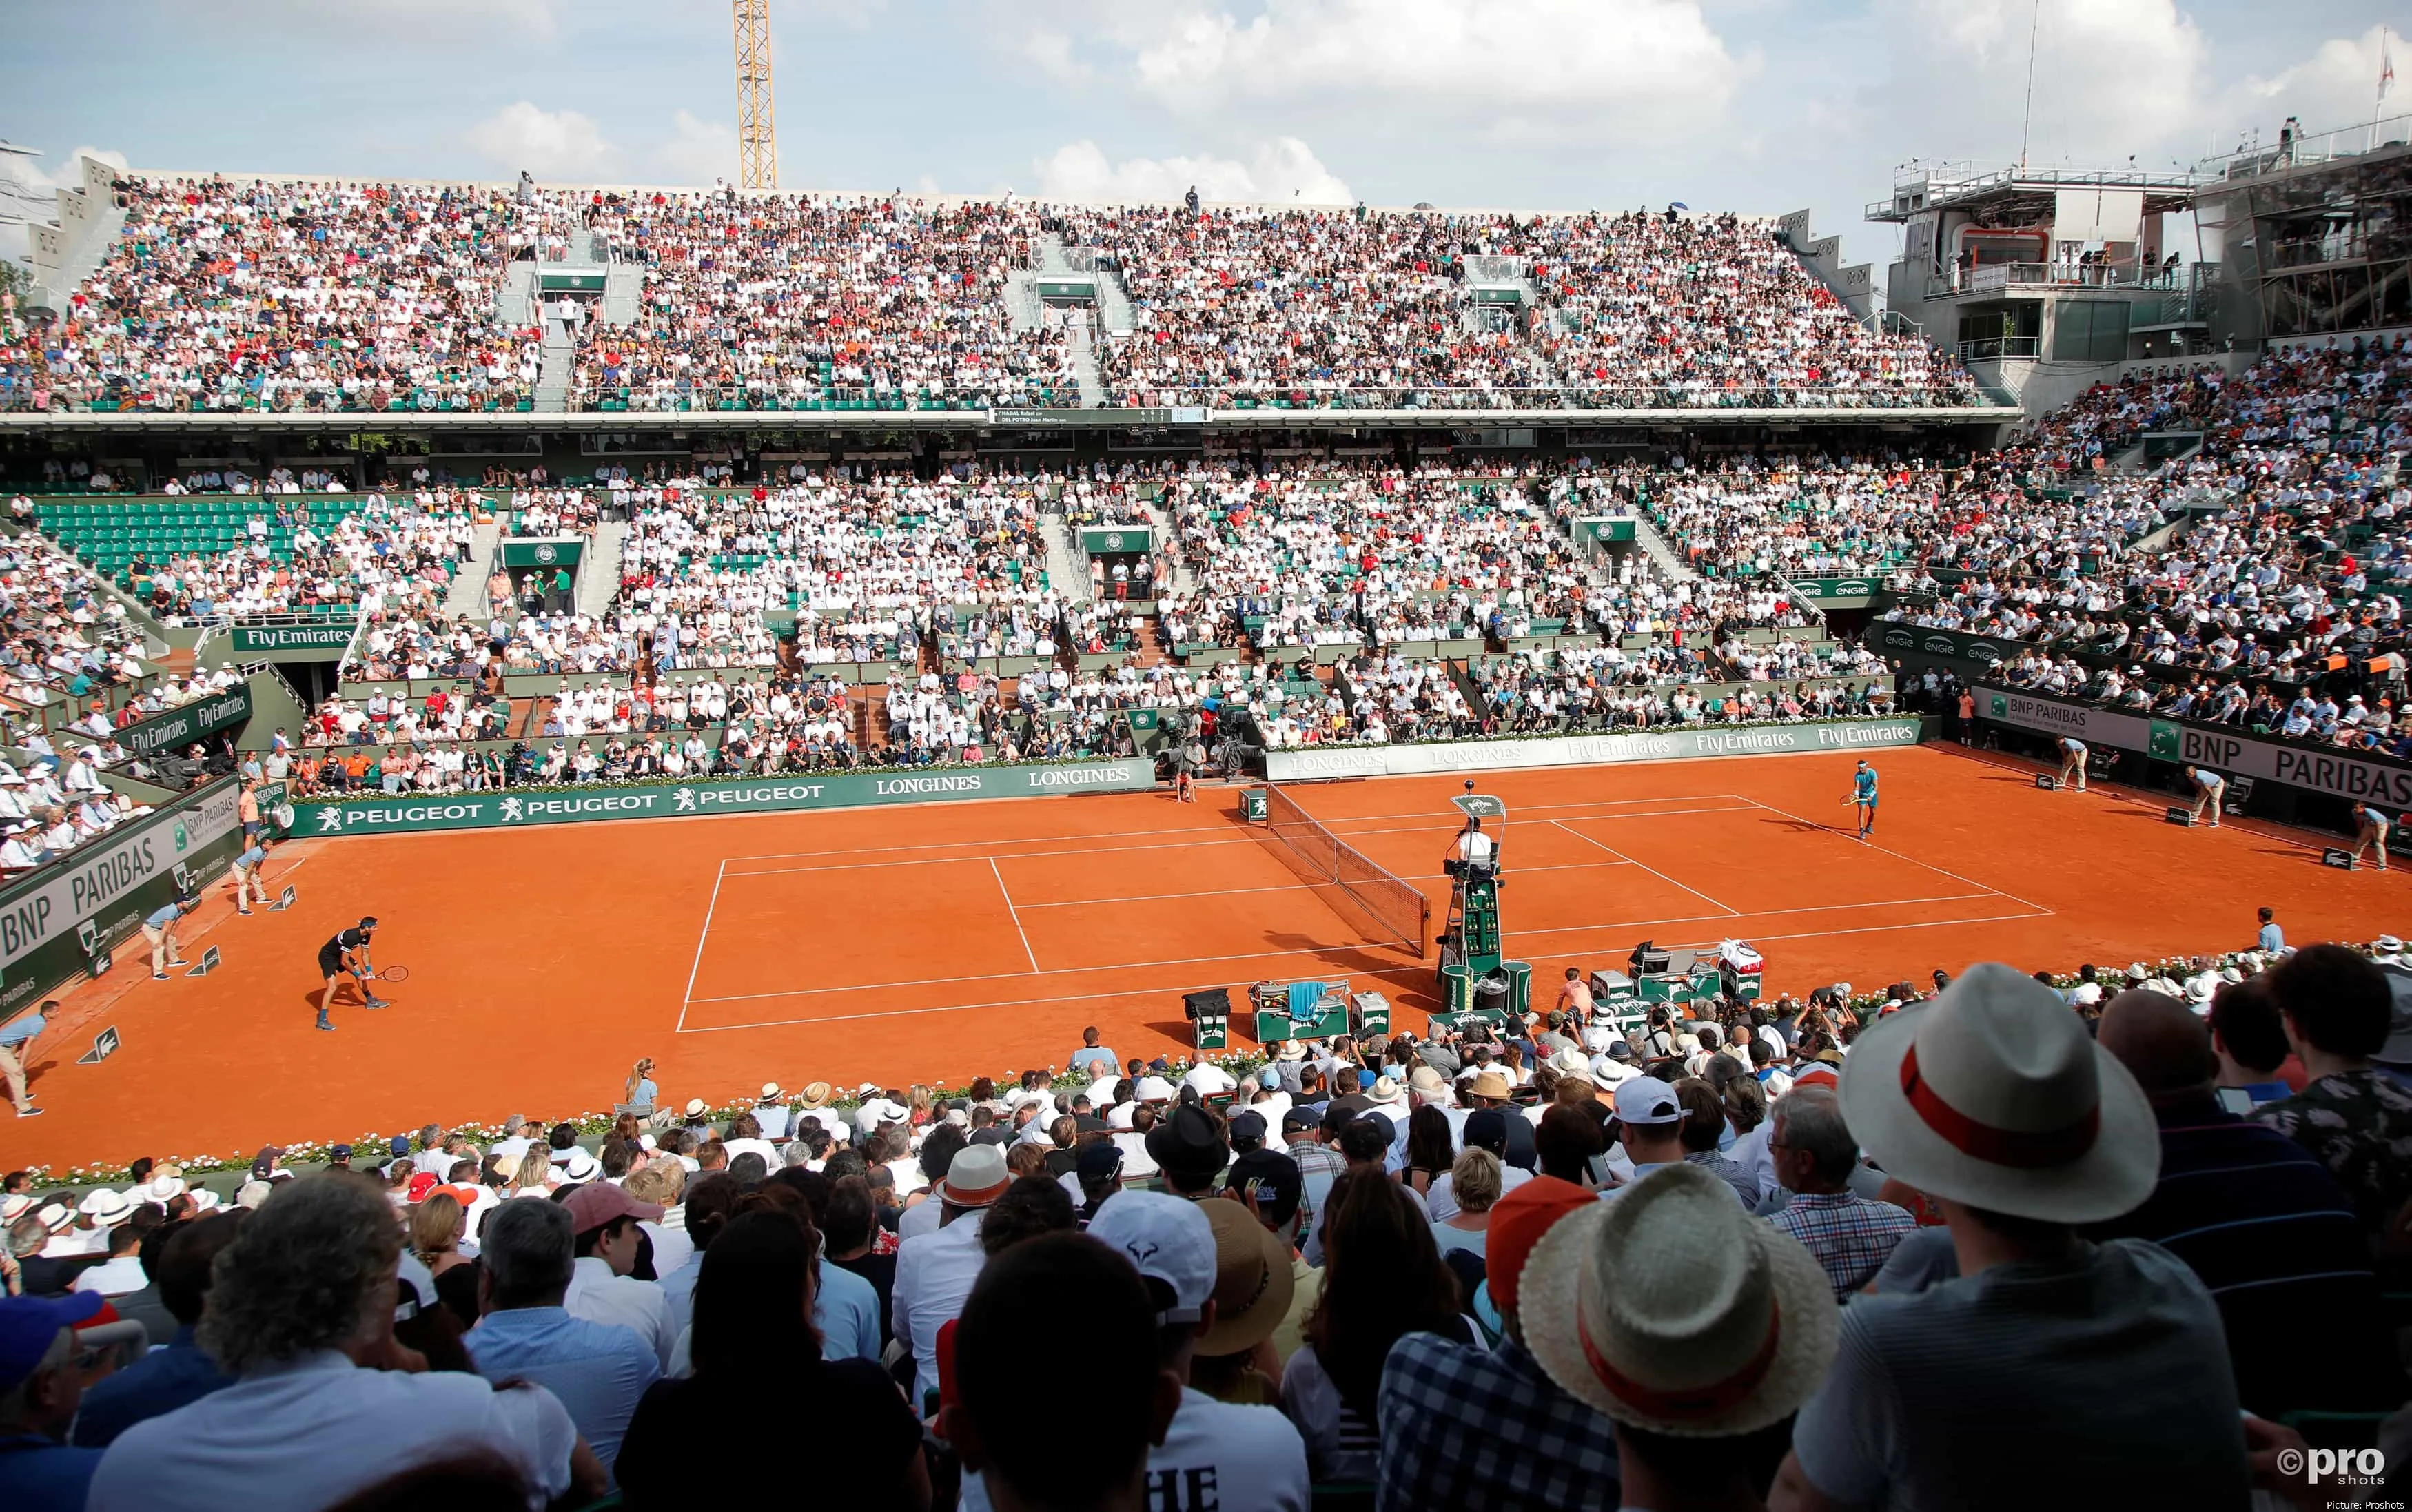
(1673, 1310)
(1992, 1094)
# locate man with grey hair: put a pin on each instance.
(1815, 1156)
(324, 1404)
(597, 1369)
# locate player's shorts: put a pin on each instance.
(330, 962)
(1865, 800)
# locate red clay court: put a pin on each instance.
(935, 943)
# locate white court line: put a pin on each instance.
(1361, 818)
(1010, 912)
(1911, 859)
(1388, 974)
(1774, 912)
(1290, 887)
(1273, 955)
(1652, 870)
(1207, 839)
(704, 934)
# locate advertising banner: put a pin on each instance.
(180, 727)
(329, 635)
(1329, 762)
(56, 918)
(2222, 748)
(415, 813)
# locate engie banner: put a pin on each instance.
(2222, 749)
(410, 813)
(59, 916)
(1326, 762)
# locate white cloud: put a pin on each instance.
(2335, 88)
(1498, 65)
(65, 172)
(561, 145)
(1283, 170)
(697, 152)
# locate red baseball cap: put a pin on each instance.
(1518, 1221)
(597, 1203)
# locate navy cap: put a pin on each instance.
(29, 1326)
(1300, 1118)
(1100, 1161)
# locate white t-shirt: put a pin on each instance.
(1215, 1454)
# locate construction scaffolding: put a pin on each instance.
(758, 136)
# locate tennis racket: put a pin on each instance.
(389, 974)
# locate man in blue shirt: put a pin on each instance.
(1864, 793)
(166, 1379)
(15, 1036)
(597, 1369)
(159, 928)
(40, 1387)
(2273, 940)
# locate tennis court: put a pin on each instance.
(936, 943)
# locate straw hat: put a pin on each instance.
(1992, 1094)
(816, 1095)
(1490, 1084)
(1254, 1282)
(976, 1177)
(1570, 1063)
(1672, 1310)
(1385, 1091)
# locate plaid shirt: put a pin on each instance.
(1850, 1236)
(1469, 1427)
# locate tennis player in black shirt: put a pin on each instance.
(348, 952)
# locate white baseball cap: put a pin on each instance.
(1167, 1237)
(1647, 1100)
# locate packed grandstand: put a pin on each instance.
(1597, 1256)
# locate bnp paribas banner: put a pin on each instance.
(57, 917)
(1328, 762)
(2221, 748)
(413, 812)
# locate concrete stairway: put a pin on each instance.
(1080, 345)
(1183, 581)
(559, 359)
(467, 596)
(1066, 573)
(624, 293)
(1660, 550)
(514, 303)
(598, 576)
(1114, 312)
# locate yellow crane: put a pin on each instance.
(758, 138)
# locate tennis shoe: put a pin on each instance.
(380, 1003)
(158, 976)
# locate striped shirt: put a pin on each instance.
(2277, 1242)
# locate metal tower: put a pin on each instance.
(758, 138)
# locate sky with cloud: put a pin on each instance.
(1761, 105)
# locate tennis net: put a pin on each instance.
(1378, 902)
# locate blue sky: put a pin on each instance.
(1760, 106)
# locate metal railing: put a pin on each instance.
(1990, 347)
(2312, 151)
(1995, 277)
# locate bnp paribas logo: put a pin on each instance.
(183, 839)
(2166, 740)
(2001, 706)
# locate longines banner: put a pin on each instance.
(410, 814)
(2221, 749)
(1329, 762)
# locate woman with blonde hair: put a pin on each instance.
(640, 1092)
(533, 1179)
(1474, 1181)
(437, 1226)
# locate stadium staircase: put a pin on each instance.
(558, 359)
(1659, 550)
(1080, 336)
(514, 301)
(467, 598)
(1181, 580)
(1114, 313)
(599, 574)
(1065, 572)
